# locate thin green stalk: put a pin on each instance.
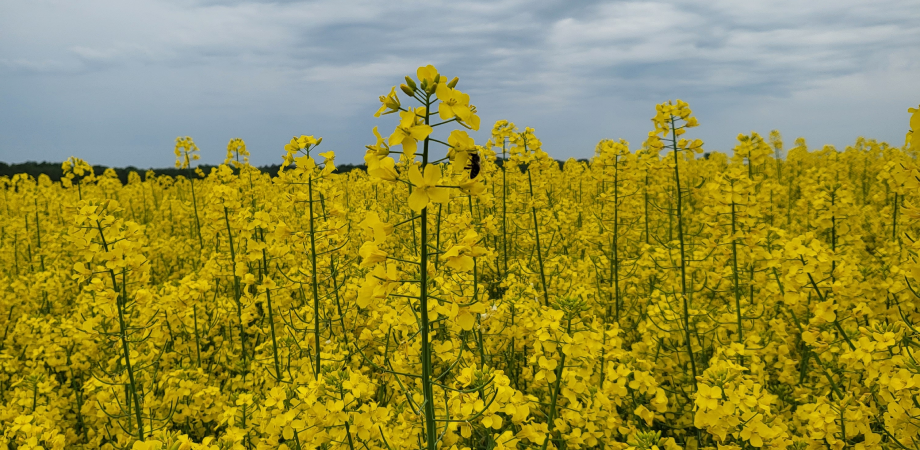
(197, 337)
(504, 208)
(313, 280)
(437, 234)
(120, 300)
(9, 321)
(551, 416)
(195, 206)
(798, 325)
(683, 258)
(78, 391)
(735, 282)
(821, 296)
(338, 304)
(16, 252)
(38, 238)
(479, 344)
(615, 264)
(894, 220)
(237, 290)
(536, 230)
(833, 239)
(427, 390)
(271, 316)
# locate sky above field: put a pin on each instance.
(115, 82)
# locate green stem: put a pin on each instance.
(683, 258)
(197, 337)
(427, 390)
(313, 281)
(195, 206)
(894, 221)
(645, 195)
(736, 286)
(833, 239)
(615, 264)
(551, 416)
(123, 334)
(536, 231)
(271, 317)
(504, 208)
(798, 325)
(237, 290)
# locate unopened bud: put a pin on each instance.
(318, 141)
(437, 78)
(409, 91)
(453, 83)
(411, 83)
(431, 88)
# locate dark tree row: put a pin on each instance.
(55, 172)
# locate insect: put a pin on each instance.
(473, 166)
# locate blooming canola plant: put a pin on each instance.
(464, 296)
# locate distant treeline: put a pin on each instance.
(55, 172)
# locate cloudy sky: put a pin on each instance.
(114, 82)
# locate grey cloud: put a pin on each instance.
(140, 73)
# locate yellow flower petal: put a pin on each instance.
(432, 174)
(415, 176)
(439, 194)
(418, 200)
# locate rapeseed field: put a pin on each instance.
(464, 296)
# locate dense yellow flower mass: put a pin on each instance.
(469, 297)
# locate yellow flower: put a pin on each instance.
(460, 256)
(377, 284)
(708, 397)
(379, 230)
(147, 445)
(301, 143)
(425, 189)
(453, 103)
(186, 151)
(427, 74)
(461, 145)
(471, 186)
(380, 149)
(473, 121)
(389, 103)
(913, 137)
(276, 397)
(236, 150)
(384, 169)
(371, 255)
(410, 130)
(645, 414)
